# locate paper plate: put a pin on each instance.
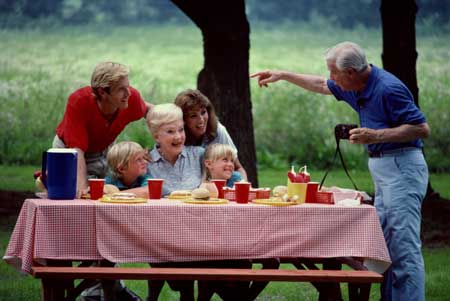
(178, 197)
(273, 202)
(207, 202)
(107, 199)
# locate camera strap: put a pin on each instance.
(338, 151)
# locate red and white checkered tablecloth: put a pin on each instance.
(50, 229)
(161, 231)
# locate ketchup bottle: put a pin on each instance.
(291, 175)
(304, 174)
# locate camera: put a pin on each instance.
(342, 131)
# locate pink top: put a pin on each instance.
(169, 230)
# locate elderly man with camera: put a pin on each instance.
(392, 127)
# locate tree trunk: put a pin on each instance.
(399, 56)
(225, 74)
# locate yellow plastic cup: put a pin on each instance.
(298, 189)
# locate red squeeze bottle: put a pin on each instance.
(300, 178)
(306, 175)
(291, 175)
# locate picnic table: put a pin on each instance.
(172, 231)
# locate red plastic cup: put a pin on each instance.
(96, 188)
(155, 188)
(242, 192)
(220, 184)
(311, 192)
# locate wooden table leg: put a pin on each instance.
(52, 290)
(333, 291)
(154, 289)
(256, 287)
(64, 286)
(327, 291)
(357, 292)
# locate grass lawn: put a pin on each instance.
(19, 287)
(15, 286)
(41, 67)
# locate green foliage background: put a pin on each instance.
(342, 13)
(40, 67)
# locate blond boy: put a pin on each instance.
(128, 165)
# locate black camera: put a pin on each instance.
(342, 131)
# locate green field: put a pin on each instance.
(40, 68)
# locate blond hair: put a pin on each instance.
(106, 74)
(217, 151)
(163, 114)
(120, 154)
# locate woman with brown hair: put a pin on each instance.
(201, 124)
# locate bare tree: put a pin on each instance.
(225, 74)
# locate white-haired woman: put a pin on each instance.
(180, 166)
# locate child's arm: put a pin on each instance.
(240, 169)
(140, 192)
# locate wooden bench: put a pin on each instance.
(55, 278)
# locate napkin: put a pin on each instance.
(348, 202)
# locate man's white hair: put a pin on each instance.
(347, 55)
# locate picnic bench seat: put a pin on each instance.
(54, 278)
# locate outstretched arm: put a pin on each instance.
(313, 83)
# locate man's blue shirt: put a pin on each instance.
(385, 102)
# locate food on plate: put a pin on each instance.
(180, 194)
(294, 198)
(212, 188)
(279, 191)
(280, 195)
(123, 196)
(110, 189)
(201, 194)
